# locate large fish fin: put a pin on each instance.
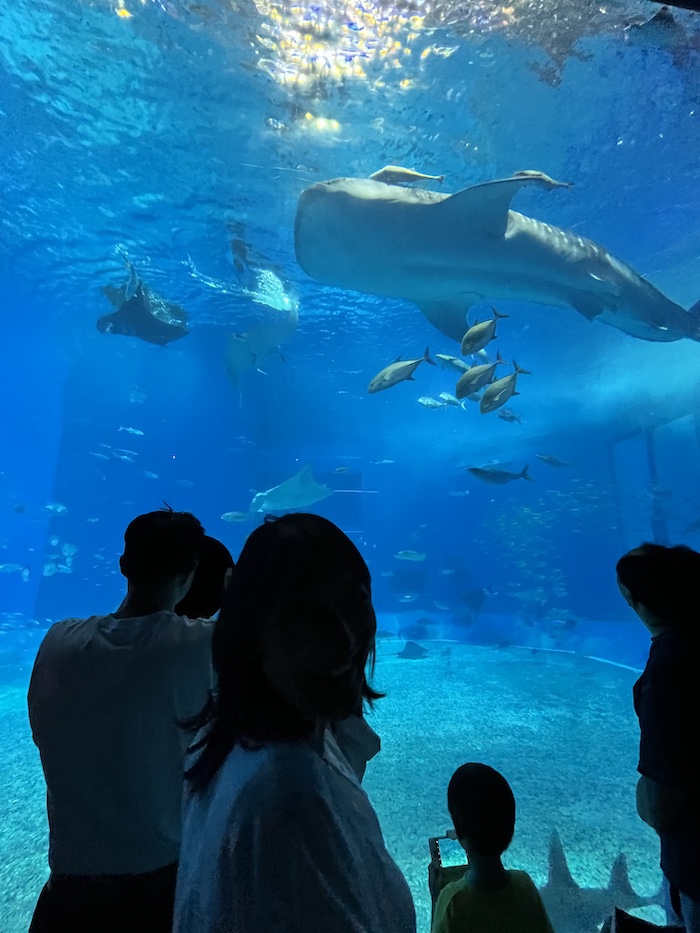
(487, 205)
(304, 475)
(588, 306)
(620, 887)
(115, 296)
(449, 316)
(558, 875)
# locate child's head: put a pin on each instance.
(482, 808)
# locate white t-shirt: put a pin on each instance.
(284, 840)
(104, 701)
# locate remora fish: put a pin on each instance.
(446, 252)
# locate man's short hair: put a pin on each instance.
(161, 546)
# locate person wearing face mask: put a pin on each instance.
(278, 835)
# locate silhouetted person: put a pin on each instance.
(488, 899)
(105, 698)
(661, 584)
(278, 834)
(205, 596)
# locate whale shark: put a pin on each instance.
(446, 252)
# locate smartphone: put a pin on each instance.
(436, 854)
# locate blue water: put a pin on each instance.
(163, 133)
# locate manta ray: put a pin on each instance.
(445, 252)
(246, 351)
(298, 492)
(143, 314)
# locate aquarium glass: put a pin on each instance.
(187, 320)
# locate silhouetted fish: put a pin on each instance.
(412, 652)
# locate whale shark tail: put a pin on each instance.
(695, 311)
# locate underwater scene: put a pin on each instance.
(428, 269)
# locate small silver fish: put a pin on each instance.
(410, 555)
(428, 402)
(452, 362)
(505, 414)
(552, 461)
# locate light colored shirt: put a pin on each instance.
(515, 908)
(105, 698)
(284, 840)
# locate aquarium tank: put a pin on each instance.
(428, 269)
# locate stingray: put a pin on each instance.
(412, 652)
(145, 315)
(575, 909)
(446, 252)
(297, 493)
(246, 351)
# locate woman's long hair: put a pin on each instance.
(282, 575)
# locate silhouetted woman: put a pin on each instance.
(661, 585)
(278, 835)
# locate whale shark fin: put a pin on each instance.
(558, 875)
(487, 205)
(588, 306)
(449, 316)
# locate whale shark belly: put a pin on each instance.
(351, 235)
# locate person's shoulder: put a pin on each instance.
(292, 779)
(185, 626)
(62, 634)
(182, 632)
(521, 880)
(450, 895)
(672, 656)
(526, 891)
